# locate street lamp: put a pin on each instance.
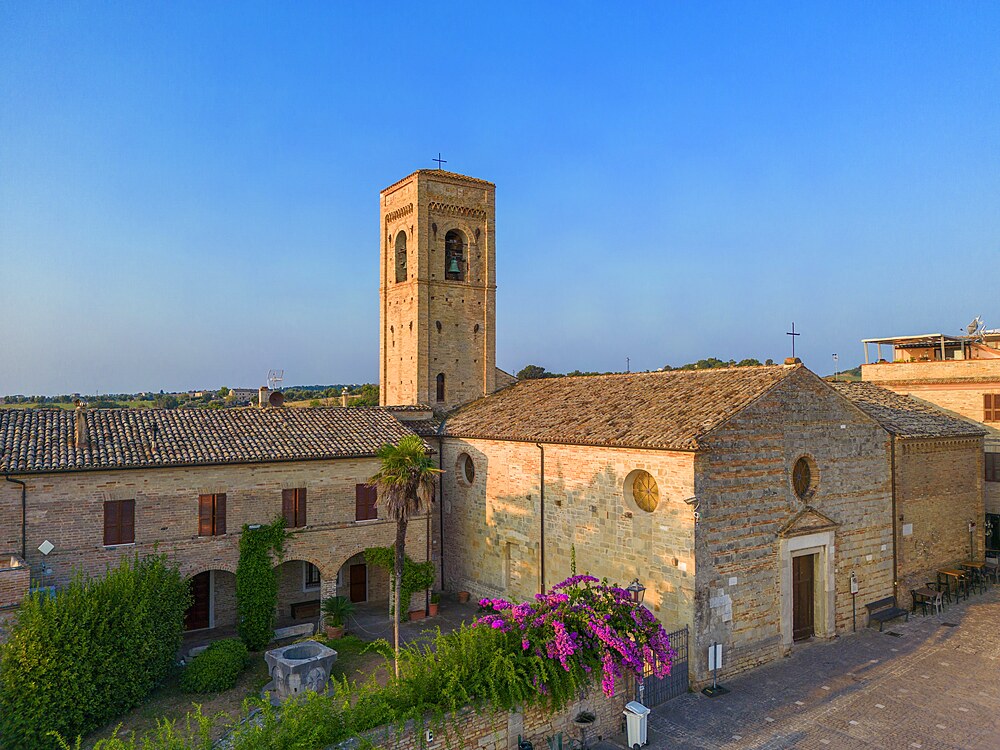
(637, 591)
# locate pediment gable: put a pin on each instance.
(807, 521)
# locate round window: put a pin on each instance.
(467, 467)
(805, 478)
(645, 492)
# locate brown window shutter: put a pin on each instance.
(220, 513)
(360, 502)
(288, 507)
(372, 502)
(204, 515)
(300, 507)
(126, 517)
(111, 522)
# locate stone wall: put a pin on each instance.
(67, 509)
(492, 525)
(751, 521)
(939, 489)
(499, 730)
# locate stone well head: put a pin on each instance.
(299, 667)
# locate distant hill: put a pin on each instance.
(849, 376)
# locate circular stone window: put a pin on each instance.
(805, 478)
(467, 468)
(644, 491)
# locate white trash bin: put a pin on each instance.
(635, 723)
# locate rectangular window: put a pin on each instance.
(991, 407)
(310, 576)
(293, 507)
(364, 503)
(119, 522)
(993, 467)
(212, 514)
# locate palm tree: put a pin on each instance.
(405, 484)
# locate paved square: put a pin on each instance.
(937, 685)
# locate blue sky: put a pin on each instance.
(189, 191)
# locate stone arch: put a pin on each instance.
(213, 593)
(400, 255)
(471, 243)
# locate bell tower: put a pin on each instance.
(437, 290)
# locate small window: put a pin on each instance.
(454, 256)
(991, 407)
(401, 257)
(645, 492)
(212, 515)
(293, 507)
(467, 467)
(440, 387)
(805, 478)
(310, 576)
(119, 522)
(993, 467)
(365, 503)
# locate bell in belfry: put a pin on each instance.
(453, 265)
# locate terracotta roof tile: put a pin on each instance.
(40, 440)
(904, 416)
(667, 410)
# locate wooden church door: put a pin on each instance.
(803, 597)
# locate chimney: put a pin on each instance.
(793, 361)
(344, 398)
(82, 438)
(263, 393)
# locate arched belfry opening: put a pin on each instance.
(454, 255)
(440, 387)
(401, 257)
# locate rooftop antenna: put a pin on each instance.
(836, 367)
(274, 377)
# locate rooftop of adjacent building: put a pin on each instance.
(48, 440)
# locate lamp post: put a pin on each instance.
(636, 590)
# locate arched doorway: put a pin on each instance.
(300, 584)
(213, 601)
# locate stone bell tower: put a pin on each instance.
(437, 290)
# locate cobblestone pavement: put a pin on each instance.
(936, 685)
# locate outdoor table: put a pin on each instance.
(945, 576)
(924, 596)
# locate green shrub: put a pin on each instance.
(216, 668)
(90, 653)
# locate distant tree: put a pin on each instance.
(768, 361)
(366, 395)
(223, 392)
(533, 372)
(748, 363)
(165, 401)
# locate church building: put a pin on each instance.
(747, 500)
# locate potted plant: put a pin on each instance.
(463, 597)
(435, 603)
(416, 614)
(336, 610)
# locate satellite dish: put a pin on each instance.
(973, 326)
(277, 398)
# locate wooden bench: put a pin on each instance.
(884, 610)
(301, 610)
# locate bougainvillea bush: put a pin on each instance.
(587, 626)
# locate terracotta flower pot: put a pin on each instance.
(417, 614)
(433, 609)
(335, 631)
(463, 597)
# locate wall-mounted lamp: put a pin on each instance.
(637, 591)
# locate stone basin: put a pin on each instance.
(297, 668)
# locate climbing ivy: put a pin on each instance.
(257, 582)
(416, 576)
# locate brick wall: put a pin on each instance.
(15, 578)
(746, 499)
(492, 528)
(939, 489)
(499, 730)
(949, 370)
(67, 509)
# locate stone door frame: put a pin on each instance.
(822, 545)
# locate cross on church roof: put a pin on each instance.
(793, 334)
(439, 160)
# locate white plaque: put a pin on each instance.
(46, 547)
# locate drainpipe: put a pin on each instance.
(24, 514)
(895, 553)
(541, 513)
